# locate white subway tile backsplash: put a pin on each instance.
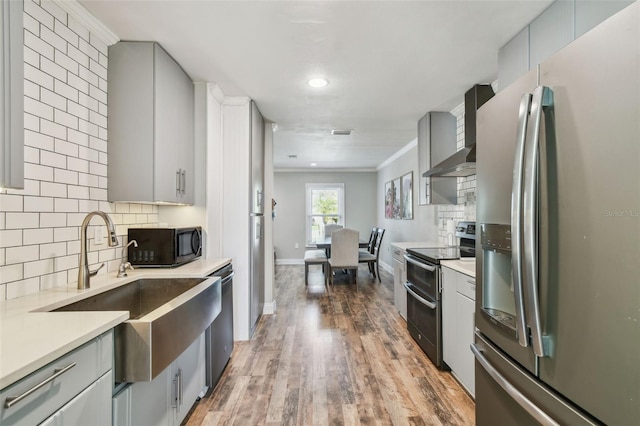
(37, 172)
(78, 192)
(23, 288)
(48, 158)
(38, 204)
(66, 205)
(54, 280)
(54, 10)
(38, 77)
(66, 148)
(31, 25)
(31, 155)
(67, 34)
(79, 83)
(64, 263)
(53, 39)
(50, 98)
(22, 254)
(78, 165)
(22, 220)
(51, 189)
(66, 234)
(37, 236)
(38, 268)
(53, 129)
(65, 87)
(66, 176)
(31, 122)
(78, 137)
(39, 45)
(38, 108)
(53, 220)
(81, 58)
(11, 238)
(79, 29)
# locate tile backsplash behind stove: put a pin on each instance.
(466, 207)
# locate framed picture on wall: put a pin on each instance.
(388, 200)
(407, 196)
(396, 198)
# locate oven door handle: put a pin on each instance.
(419, 264)
(420, 299)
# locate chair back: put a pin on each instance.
(378, 243)
(344, 248)
(372, 239)
(329, 228)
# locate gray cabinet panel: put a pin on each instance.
(436, 142)
(590, 13)
(551, 31)
(151, 135)
(513, 59)
(11, 93)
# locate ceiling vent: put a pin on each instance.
(346, 132)
(293, 156)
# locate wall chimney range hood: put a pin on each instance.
(463, 162)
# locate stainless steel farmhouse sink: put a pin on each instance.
(166, 316)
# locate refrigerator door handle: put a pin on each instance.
(542, 97)
(516, 219)
(524, 402)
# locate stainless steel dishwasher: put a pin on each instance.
(219, 336)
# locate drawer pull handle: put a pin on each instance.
(13, 400)
(472, 282)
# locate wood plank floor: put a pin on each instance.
(342, 358)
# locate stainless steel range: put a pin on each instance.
(424, 290)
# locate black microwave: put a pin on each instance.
(164, 247)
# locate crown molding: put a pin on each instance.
(216, 92)
(93, 24)
(323, 170)
(236, 100)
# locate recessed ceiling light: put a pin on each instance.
(313, 164)
(318, 82)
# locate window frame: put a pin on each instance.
(309, 187)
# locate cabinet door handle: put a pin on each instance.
(472, 282)
(183, 174)
(177, 182)
(13, 400)
(180, 385)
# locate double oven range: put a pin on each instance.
(424, 289)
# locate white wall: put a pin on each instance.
(65, 159)
(290, 194)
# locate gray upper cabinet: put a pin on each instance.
(11, 93)
(436, 142)
(513, 59)
(590, 13)
(551, 31)
(151, 133)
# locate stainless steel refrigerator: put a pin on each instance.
(558, 256)
(256, 217)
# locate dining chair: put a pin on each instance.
(372, 241)
(344, 252)
(315, 257)
(372, 259)
(329, 228)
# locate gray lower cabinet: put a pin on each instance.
(11, 95)
(167, 399)
(399, 278)
(75, 389)
(151, 128)
(458, 310)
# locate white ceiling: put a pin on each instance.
(388, 62)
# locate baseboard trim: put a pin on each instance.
(269, 308)
(387, 267)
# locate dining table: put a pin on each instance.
(324, 243)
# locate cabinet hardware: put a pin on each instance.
(178, 182)
(183, 175)
(180, 385)
(13, 400)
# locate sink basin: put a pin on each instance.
(165, 316)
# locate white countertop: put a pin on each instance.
(30, 340)
(419, 244)
(467, 267)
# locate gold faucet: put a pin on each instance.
(83, 270)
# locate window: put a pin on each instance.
(325, 205)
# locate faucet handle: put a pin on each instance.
(93, 273)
